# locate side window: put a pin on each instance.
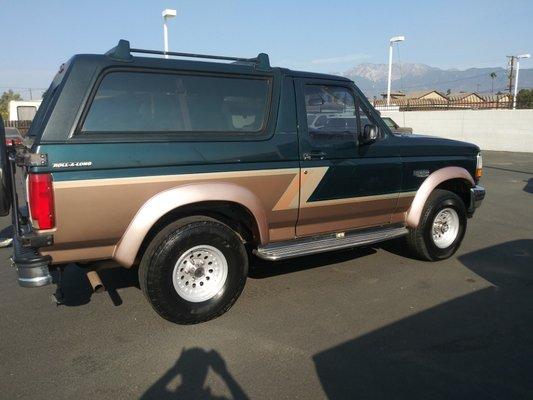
(145, 102)
(331, 111)
(364, 118)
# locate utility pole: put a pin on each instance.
(511, 73)
(518, 58)
(392, 40)
(167, 14)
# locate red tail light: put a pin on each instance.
(13, 142)
(41, 196)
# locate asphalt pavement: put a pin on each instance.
(360, 324)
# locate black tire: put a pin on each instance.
(420, 240)
(157, 266)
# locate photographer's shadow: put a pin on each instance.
(193, 367)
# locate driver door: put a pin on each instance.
(345, 184)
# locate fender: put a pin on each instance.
(170, 199)
(432, 181)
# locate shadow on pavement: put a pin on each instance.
(398, 247)
(77, 291)
(193, 367)
(7, 232)
(260, 268)
(529, 186)
(476, 346)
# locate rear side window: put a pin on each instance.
(145, 102)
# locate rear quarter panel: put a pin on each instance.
(100, 185)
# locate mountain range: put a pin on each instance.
(414, 77)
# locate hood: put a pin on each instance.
(423, 145)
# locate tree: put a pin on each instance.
(492, 77)
(524, 98)
(4, 102)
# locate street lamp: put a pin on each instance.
(518, 58)
(167, 14)
(391, 42)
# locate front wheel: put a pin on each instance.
(441, 228)
(193, 271)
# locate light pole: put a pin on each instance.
(391, 42)
(518, 58)
(166, 14)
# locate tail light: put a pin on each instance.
(479, 167)
(41, 199)
(13, 142)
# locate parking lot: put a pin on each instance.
(363, 323)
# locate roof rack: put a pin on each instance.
(122, 52)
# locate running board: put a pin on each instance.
(323, 243)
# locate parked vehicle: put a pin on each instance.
(177, 167)
(395, 128)
(23, 110)
(13, 136)
(317, 121)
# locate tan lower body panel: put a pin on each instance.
(101, 209)
(80, 254)
(92, 215)
(404, 203)
(335, 217)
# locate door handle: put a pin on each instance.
(314, 155)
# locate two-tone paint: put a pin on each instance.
(110, 191)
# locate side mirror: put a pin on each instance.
(370, 134)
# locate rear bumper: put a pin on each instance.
(32, 268)
(477, 194)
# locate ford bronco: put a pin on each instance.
(182, 167)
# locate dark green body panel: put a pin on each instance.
(431, 153)
(358, 178)
(384, 167)
(111, 160)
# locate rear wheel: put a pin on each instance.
(193, 271)
(441, 228)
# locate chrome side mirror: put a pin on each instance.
(370, 134)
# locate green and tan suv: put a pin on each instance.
(182, 167)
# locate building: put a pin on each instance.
(465, 97)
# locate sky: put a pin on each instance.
(322, 36)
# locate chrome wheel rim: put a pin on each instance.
(445, 227)
(200, 273)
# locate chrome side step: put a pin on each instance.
(323, 243)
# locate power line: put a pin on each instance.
(21, 87)
(511, 71)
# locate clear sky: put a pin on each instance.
(322, 36)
